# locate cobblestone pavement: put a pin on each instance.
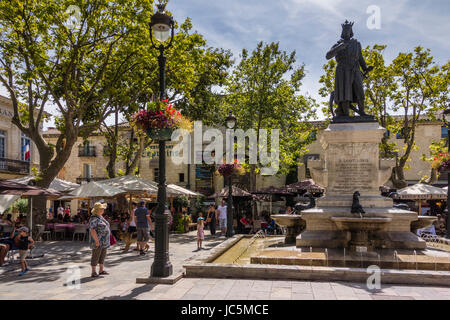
(48, 276)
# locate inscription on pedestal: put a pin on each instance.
(353, 174)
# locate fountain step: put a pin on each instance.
(406, 262)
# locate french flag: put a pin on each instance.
(26, 150)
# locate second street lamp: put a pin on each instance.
(447, 123)
(162, 26)
(231, 122)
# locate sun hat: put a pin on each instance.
(98, 206)
(22, 229)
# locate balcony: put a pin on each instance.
(86, 151)
(14, 166)
(83, 180)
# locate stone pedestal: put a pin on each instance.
(294, 225)
(352, 163)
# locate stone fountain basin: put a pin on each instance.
(361, 224)
(288, 220)
(422, 223)
(294, 225)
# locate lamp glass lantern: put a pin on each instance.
(161, 24)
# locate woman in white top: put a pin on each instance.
(132, 220)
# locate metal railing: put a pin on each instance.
(14, 166)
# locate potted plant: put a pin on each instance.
(442, 162)
(227, 169)
(186, 221)
(159, 120)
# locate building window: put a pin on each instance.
(313, 135)
(444, 132)
(26, 148)
(87, 169)
(2, 144)
(181, 177)
(156, 174)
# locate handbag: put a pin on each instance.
(112, 239)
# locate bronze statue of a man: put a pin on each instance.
(348, 87)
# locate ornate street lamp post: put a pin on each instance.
(231, 122)
(447, 123)
(162, 27)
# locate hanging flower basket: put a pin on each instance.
(159, 120)
(445, 166)
(227, 169)
(442, 162)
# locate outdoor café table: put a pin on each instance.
(70, 227)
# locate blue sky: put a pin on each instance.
(311, 27)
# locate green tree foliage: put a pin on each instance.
(436, 149)
(45, 60)
(193, 72)
(264, 93)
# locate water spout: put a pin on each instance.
(326, 256)
(379, 261)
(396, 258)
(415, 258)
(435, 264)
(344, 257)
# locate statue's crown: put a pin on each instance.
(347, 24)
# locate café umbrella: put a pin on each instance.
(20, 189)
(57, 184)
(419, 192)
(93, 190)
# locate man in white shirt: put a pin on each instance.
(60, 210)
(222, 217)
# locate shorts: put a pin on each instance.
(23, 254)
(131, 229)
(222, 223)
(98, 256)
(142, 235)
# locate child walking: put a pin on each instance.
(23, 242)
(200, 231)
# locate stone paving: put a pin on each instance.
(48, 276)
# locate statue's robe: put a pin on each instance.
(349, 79)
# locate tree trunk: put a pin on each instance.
(49, 169)
(122, 204)
(398, 178)
(433, 177)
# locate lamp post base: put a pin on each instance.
(161, 270)
(161, 266)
